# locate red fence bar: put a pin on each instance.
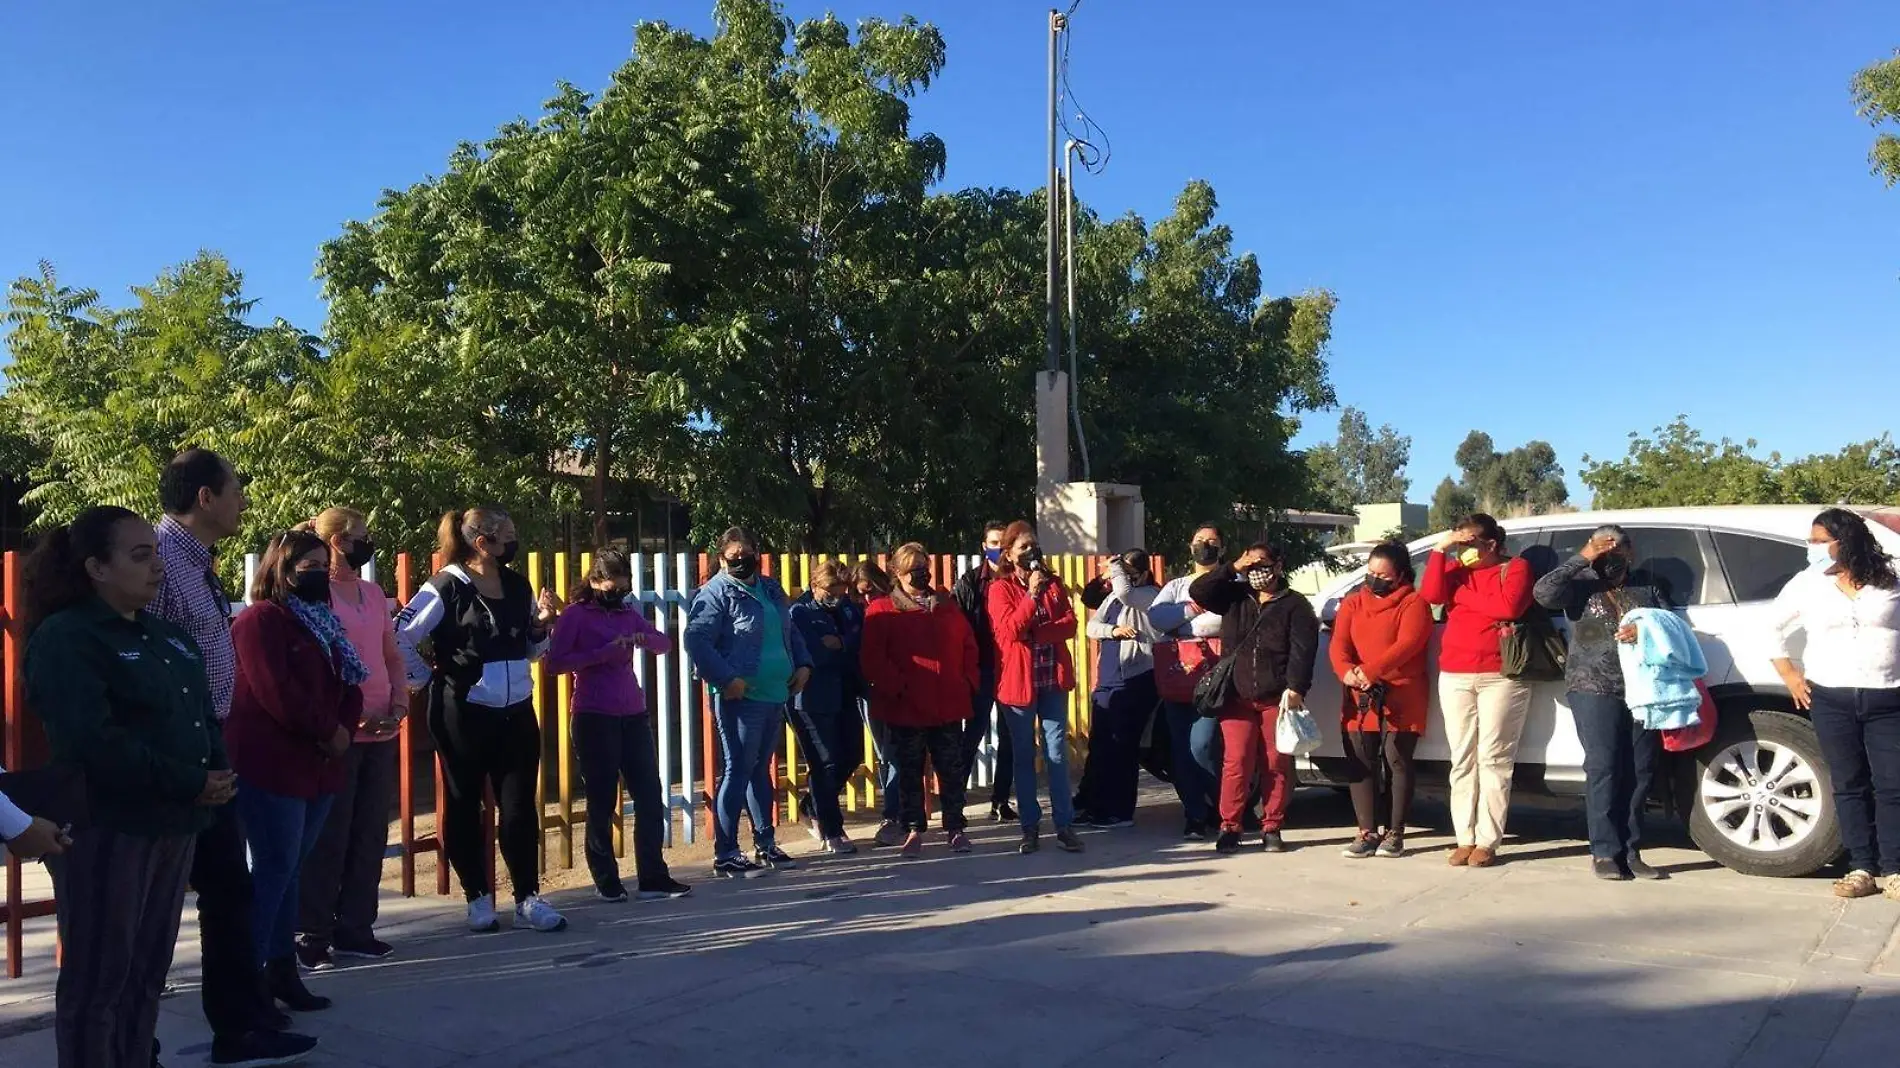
(18, 758)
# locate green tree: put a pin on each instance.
(1450, 503)
(1678, 467)
(1527, 480)
(1361, 466)
(1876, 92)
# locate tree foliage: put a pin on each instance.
(1876, 92)
(1526, 480)
(728, 276)
(1678, 467)
(1361, 466)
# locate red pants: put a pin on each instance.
(1246, 728)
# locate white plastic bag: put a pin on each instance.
(1296, 732)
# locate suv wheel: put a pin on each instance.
(1762, 803)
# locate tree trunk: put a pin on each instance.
(603, 465)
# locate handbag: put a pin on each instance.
(1296, 732)
(1531, 649)
(1684, 739)
(1179, 666)
(1216, 688)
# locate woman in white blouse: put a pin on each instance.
(1848, 605)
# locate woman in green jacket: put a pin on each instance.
(125, 701)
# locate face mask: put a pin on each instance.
(311, 586)
(743, 566)
(1031, 560)
(508, 553)
(1263, 578)
(993, 556)
(1820, 555)
(1613, 569)
(1471, 557)
(1379, 585)
(1207, 554)
(360, 554)
(919, 578)
(611, 599)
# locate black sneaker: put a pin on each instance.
(313, 954)
(1640, 869)
(776, 857)
(1393, 846)
(1032, 841)
(1607, 869)
(1363, 846)
(1002, 813)
(368, 949)
(661, 889)
(1111, 823)
(739, 868)
(1228, 843)
(259, 1048)
(1272, 842)
(614, 892)
(1195, 831)
(1069, 841)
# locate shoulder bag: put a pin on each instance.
(1531, 649)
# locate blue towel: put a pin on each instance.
(1660, 668)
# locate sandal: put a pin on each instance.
(1855, 884)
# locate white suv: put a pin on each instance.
(1757, 798)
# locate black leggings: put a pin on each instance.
(1362, 761)
(944, 746)
(479, 745)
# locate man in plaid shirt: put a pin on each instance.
(204, 502)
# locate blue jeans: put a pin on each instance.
(280, 832)
(1859, 732)
(748, 736)
(1049, 716)
(1194, 784)
(1204, 744)
(1619, 763)
(890, 809)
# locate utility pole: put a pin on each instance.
(1058, 22)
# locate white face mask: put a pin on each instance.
(1819, 555)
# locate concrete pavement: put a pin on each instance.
(1146, 950)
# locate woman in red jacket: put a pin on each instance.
(298, 702)
(1032, 621)
(919, 657)
(1378, 651)
(1482, 591)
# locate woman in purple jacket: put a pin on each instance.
(595, 640)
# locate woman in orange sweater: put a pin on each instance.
(1378, 651)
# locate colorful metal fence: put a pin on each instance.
(682, 710)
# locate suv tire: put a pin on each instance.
(1761, 802)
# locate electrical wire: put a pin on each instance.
(1093, 159)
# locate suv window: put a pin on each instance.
(1758, 567)
(1671, 557)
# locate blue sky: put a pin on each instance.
(1565, 221)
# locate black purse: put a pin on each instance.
(1216, 688)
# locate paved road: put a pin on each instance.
(1144, 951)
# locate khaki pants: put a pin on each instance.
(1484, 715)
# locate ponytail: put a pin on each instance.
(455, 536)
(55, 577)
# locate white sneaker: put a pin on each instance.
(535, 913)
(481, 915)
(840, 846)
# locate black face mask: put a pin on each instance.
(1031, 560)
(1207, 554)
(743, 566)
(1380, 586)
(611, 598)
(508, 553)
(311, 586)
(360, 554)
(1614, 570)
(919, 578)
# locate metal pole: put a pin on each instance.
(1068, 275)
(1056, 25)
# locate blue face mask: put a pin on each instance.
(994, 556)
(1819, 555)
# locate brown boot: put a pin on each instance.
(1482, 857)
(1460, 856)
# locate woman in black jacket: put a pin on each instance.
(484, 628)
(1273, 636)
